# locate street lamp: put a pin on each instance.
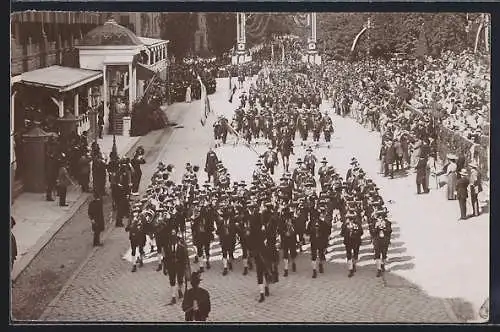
(113, 90)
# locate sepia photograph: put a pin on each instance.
(250, 167)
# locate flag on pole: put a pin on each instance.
(204, 106)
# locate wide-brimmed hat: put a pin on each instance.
(324, 161)
(451, 156)
(299, 161)
(195, 277)
(463, 172)
(309, 149)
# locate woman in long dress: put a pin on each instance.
(451, 173)
(430, 170)
(415, 154)
(188, 94)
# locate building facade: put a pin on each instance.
(41, 41)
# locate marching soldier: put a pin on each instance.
(322, 172)
(382, 233)
(270, 159)
(211, 164)
(227, 236)
(202, 230)
(175, 264)
(288, 240)
(271, 221)
(137, 238)
(262, 256)
(318, 231)
(327, 128)
(310, 160)
(245, 219)
(351, 231)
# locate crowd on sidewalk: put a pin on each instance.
(375, 95)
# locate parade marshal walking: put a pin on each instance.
(211, 164)
(196, 303)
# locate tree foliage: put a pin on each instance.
(393, 32)
(423, 33)
(179, 29)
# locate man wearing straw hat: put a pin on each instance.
(462, 186)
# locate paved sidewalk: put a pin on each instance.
(38, 220)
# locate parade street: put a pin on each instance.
(437, 271)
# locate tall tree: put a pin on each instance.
(179, 29)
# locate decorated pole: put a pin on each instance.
(476, 43)
(486, 33)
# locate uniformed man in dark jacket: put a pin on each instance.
(462, 194)
(175, 261)
(270, 159)
(99, 175)
(351, 231)
(196, 303)
(318, 230)
(381, 240)
(261, 253)
(211, 163)
(96, 216)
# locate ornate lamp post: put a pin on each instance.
(113, 90)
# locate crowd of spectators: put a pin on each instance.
(185, 74)
(453, 90)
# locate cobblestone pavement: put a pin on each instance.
(105, 289)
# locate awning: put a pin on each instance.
(152, 41)
(143, 72)
(59, 78)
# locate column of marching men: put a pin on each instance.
(264, 217)
(279, 105)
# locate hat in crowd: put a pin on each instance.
(299, 161)
(473, 165)
(309, 149)
(242, 184)
(463, 172)
(451, 156)
(195, 277)
(323, 161)
(350, 215)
